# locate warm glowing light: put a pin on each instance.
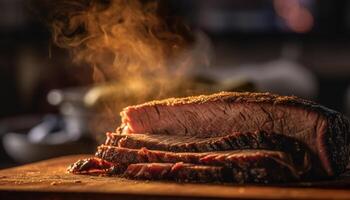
(298, 18)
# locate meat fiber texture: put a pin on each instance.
(234, 141)
(180, 172)
(324, 132)
(224, 137)
(246, 166)
(183, 172)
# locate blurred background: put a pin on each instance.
(47, 107)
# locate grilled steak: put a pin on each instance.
(273, 162)
(234, 141)
(184, 172)
(96, 166)
(224, 137)
(323, 131)
(181, 172)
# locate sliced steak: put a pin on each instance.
(181, 172)
(234, 141)
(184, 172)
(324, 131)
(244, 160)
(96, 166)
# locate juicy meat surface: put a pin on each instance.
(234, 141)
(324, 131)
(274, 162)
(95, 166)
(184, 172)
(181, 172)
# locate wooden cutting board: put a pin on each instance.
(49, 180)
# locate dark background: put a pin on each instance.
(241, 33)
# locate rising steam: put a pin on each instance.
(127, 42)
(123, 40)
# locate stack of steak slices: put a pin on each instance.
(225, 137)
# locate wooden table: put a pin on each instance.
(49, 180)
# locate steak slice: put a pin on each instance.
(96, 166)
(246, 161)
(324, 131)
(234, 141)
(181, 172)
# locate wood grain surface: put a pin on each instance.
(49, 180)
